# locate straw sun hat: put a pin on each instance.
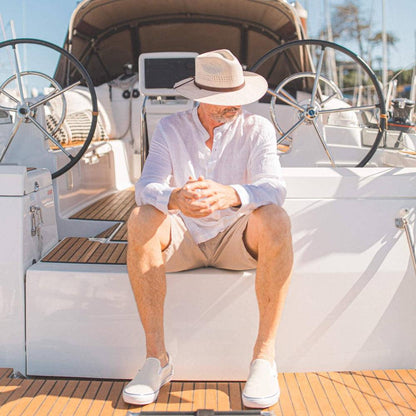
(220, 80)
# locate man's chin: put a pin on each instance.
(228, 118)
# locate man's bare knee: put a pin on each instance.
(273, 225)
(147, 222)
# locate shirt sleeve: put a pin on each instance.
(153, 187)
(266, 185)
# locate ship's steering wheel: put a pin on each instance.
(322, 97)
(24, 107)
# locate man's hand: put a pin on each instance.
(201, 197)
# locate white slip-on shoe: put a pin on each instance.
(262, 387)
(144, 388)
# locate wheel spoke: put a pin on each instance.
(287, 100)
(53, 95)
(288, 95)
(7, 108)
(18, 77)
(328, 153)
(12, 135)
(341, 110)
(317, 76)
(291, 130)
(50, 137)
(2, 91)
(329, 98)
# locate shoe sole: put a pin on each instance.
(142, 399)
(260, 402)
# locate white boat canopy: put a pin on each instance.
(106, 34)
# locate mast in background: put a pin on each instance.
(384, 41)
(330, 58)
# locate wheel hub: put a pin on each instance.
(311, 113)
(23, 111)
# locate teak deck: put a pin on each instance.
(391, 392)
(108, 247)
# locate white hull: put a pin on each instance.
(350, 305)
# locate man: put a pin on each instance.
(211, 195)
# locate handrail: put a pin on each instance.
(144, 138)
(403, 223)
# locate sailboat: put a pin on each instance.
(71, 154)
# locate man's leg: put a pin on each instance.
(148, 236)
(268, 238)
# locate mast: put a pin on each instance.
(384, 41)
(330, 54)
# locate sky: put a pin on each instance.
(49, 20)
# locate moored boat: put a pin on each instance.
(67, 307)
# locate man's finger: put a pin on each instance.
(197, 185)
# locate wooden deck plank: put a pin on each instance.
(121, 408)
(111, 403)
(63, 399)
(123, 257)
(223, 398)
(110, 207)
(344, 393)
(187, 398)
(97, 254)
(5, 373)
(58, 250)
(295, 394)
(175, 393)
(407, 378)
(116, 253)
(285, 400)
(76, 399)
(383, 391)
(8, 389)
(51, 398)
(199, 396)
(92, 210)
(396, 398)
(21, 397)
(331, 395)
(374, 393)
(359, 398)
(36, 401)
(100, 398)
(404, 388)
(78, 253)
(107, 253)
(235, 396)
(87, 400)
(162, 400)
(90, 250)
(78, 242)
(308, 394)
(211, 396)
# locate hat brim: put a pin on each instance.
(255, 86)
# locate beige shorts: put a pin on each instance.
(225, 251)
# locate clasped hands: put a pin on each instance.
(201, 197)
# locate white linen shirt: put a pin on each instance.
(244, 156)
